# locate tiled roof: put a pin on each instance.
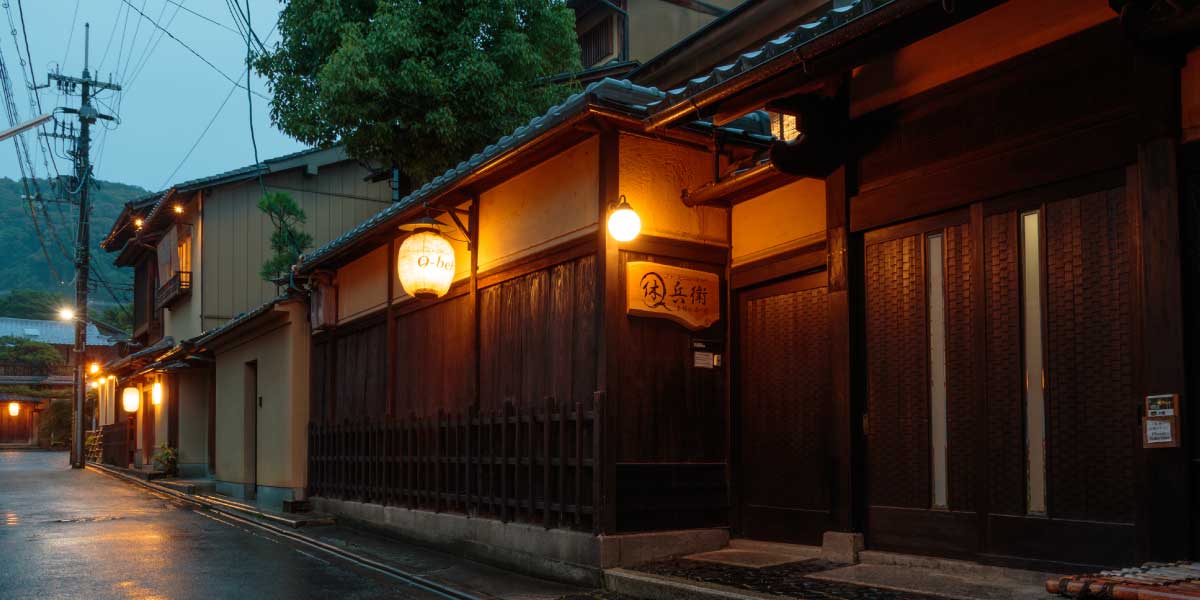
(233, 323)
(50, 332)
(245, 172)
(622, 94)
(842, 14)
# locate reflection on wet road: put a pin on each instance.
(80, 534)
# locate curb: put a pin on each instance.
(663, 587)
(230, 511)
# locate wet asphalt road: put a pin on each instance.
(68, 533)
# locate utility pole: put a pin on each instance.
(88, 115)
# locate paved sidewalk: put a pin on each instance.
(466, 576)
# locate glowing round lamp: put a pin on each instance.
(94, 368)
(156, 393)
(624, 224)
(66, 314)
(130, 398)
(425, 264)
(14, 409)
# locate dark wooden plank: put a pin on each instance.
(809, 256)
(838, 188)
(1164, 486)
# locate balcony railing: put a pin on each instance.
(178, 286)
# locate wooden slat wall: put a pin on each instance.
(784, 342)
(359, 390)
(433, 359)
(961, 408)
(1089, 368)
(538, 336)
(898, 456)
(669, 410)
(1005, 397)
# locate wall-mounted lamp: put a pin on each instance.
(138, 223)
(130, 398)
(624, 224)
(178, 209)
(14, 409)
(94, 368)
(425, 261)
(156, 393)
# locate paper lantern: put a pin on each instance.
(425, 264)
(624, 224)
(156, 393)
(130, 398)
(14, 409)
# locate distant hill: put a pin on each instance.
(23, 265)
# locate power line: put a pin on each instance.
(210, 20)
(220, 108)
(196, 54)
(202, 134)
(71, 35)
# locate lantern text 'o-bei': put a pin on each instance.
(425, 264)
(14, 409)
(130, 398)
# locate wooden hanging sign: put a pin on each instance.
(689, 297)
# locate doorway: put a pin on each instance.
(252, 402)
(783, 395)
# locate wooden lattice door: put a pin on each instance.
(784, 469)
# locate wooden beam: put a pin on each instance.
(608, 308)
(1164, 486)
(846, 420)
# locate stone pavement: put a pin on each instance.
(68, 533)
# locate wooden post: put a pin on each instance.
(1164, 509)
(608, 331)
(846, 426)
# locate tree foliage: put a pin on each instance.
(27, 352)
(120, 316)
(417, 83)
(288, 241)
(31, 304)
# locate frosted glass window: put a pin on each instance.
(1031, 326)
(935, 278)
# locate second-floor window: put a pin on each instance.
(174, 265)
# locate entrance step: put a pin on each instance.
(939, 577)
(189, 486)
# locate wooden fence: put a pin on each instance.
(529, 464)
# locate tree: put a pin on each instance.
(120, 316)
(27, 352)
(420, 84)
(288, 241)
(31, 304)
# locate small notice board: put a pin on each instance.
(1160, 427)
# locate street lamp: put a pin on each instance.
(80, 320)
(624, 224)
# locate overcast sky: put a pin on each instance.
(169, 93)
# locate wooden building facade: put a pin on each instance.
(947, 304)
